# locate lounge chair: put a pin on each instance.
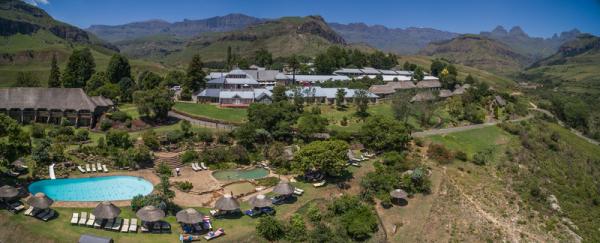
(252, 212)
(298, 191)
(99, 167)
(98, 223)
(15, 207)
(165, 227)
(125, 227)
(206, 223)
(75, 218)
(133, 225)
(41, 213)
(29, 211)
(320, 184)
(268, 210)
(104, 167)
(87, 168)
(214, 212)
(48, 216)
(144, 228)
(109, 224)
(195, 168)
(93, 167)
(203, 166)
(80, 169)
(188, 237)
(91, 220)
(83, 218)
(211, 235)
(117, 225)
(156, 227)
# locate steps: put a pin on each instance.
(171, 159)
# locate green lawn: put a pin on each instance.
(130, 109)
(473, 141)
(212, 111)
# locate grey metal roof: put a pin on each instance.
(209, 93)
(404, 73)
(370, 71)
(397, 77)
(319, 78)
(388, 72)
(46, 98)
(327, 92)
(429, 84)
(263, 75)
(349, 70)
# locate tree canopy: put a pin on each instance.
(329, 157)
(118, 68)
(79, 70)
(384, 134)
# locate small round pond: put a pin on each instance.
(106, 188)
(239, 188)
(234, 175)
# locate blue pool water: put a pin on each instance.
(106, 188)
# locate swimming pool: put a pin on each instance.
(106, 188)
(228, 175)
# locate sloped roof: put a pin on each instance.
(429, 78)
(391, 87)
(444, 93)
(46, 98)
(319, 78)
(328, 92)
(388, 72)
(348, 70)
(101, 101)
(423, 96)
(263, 75)
(398, 77)
(209, 93)
(370, 70)
(402, 85)
(429, 84)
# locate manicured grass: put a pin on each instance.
(130, 109)
(212, 111)
(472, 141)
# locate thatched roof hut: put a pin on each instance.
(260, 201)
(150, 214)
(106, 210)
(227, 203)
(189, 216)
(283, 188)
(40, 200)
(7, 192)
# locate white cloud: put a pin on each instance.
(37, 2)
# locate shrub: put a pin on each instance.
(481, 158)
(38, 131)
(163, 169)
(344, 121)
(184, 186)
(313, 212)
(119, 139)
(205, 136)
(105, 124)
(461, 155)
(296, 232)
(65, 122)
(223, 138)
(359, 222)
(440, 153)
(174, 136)
(189, 156)
(150, 139)
(270, 228)
(119, 116)
(82, 135)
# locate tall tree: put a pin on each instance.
(229, 58)
(293, 63)
(149, 80)
(96, 81)
(418, 74)
(79, 70)
(54, 77)
(127, 86)
(325, 156)
(118, 68)
(339, 98)
(155, 103)
(384, 134)
(279, 93)
(195, 74)
(263, 58)
(361, 99)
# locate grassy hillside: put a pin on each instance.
(479, 52)
(494, 80)
(30, 37)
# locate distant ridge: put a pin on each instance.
(185, 28)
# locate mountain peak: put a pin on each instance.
(517, 31)
(499, 30)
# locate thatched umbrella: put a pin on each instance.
(189, 216)
(283, 188)
(260, 201)
(7, 192)
(19, 163)
(40, 200)
(227, 203)
(398, 194)
(150, 214)
(106, 210)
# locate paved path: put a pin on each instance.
(203, 123)
(561, 123)
(463, 128)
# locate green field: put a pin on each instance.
(473, 141)
(236, 115)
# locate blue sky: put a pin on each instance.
(536, 17)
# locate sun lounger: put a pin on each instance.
(99, 167)
(93, 167)
(211, 235)
(29, 211)
(80, 169)
(117, 225)
(109, 224)
(125, 226)
(83, 218)
(98, 223)
(144, 228)
(203, 166)
(165, 227)
(41, 214)
(48, 216)
(194, 167)
(298, 191)
(133, 225)
(104, 167)
(206, 223)
(188, 237)
(75, 218)
(87, 168)
(91, 220)
(156, 228)
(252, 213)
(214, 212)
(320, 184)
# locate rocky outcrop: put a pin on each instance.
(10, 27)
(317, 26)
